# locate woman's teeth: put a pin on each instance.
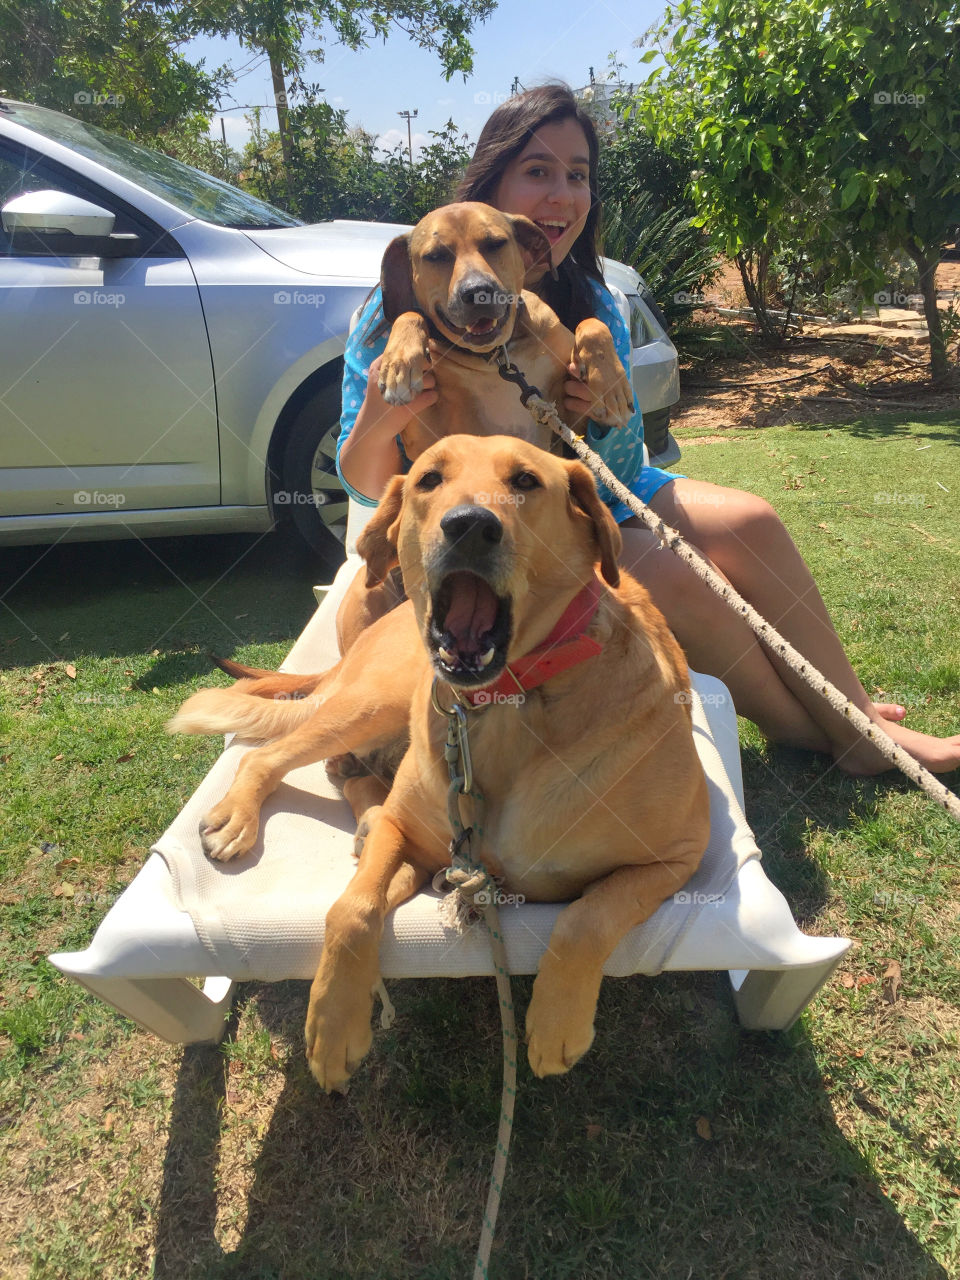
(553, 230)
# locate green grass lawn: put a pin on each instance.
(681, 1146)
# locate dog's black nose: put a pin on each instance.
(482, 293)
(471, 524)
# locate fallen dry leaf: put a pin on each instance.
(71, 670)
(58, 757)
(865, 979)
(847, 980)
(128, 756)
(704, 1129)
(891, 981)
(594, 1131)
(67, 862)
(64, 890)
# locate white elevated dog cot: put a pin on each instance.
(262, 917)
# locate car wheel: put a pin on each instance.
(310, 487)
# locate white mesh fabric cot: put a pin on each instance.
(184, 917)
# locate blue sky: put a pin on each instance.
(536, 40)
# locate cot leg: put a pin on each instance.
(773, 999)
(172, 1008)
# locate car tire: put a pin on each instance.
(310, 489)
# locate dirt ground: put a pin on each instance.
(811, 379)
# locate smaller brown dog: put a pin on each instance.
(455, 289)
(453, 292)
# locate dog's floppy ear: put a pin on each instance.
(534, 246)
(396, 279)
(378, 540)
(583, 491)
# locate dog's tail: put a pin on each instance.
(262, 704)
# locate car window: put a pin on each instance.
(23, 170)
(196, 194)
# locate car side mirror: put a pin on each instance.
(59, 223)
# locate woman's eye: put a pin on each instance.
(537, 171)
(429, 480)
(578, 176)
(525, 481)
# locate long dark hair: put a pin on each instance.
(502, 139)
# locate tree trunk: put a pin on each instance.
(283, 122)
(927, 270)
(755, 288)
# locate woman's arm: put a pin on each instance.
(369, 455)
(367, 450)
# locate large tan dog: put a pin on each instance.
(593, 789)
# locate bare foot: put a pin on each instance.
(939, 755)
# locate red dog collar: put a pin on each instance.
(565, 647)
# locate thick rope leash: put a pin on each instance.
(546, 414)
(477, 891)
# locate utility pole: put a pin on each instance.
(408, 116)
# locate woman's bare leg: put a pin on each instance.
(747, 542)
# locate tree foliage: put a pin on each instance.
(114, 63)
(831, 126)
(340, 173)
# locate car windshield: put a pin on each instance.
(193, 192)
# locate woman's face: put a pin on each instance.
(549, 182)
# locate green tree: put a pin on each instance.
(282, 30)
(114, 63)
(831, 126)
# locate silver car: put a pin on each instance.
(171, 347)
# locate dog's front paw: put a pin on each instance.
(601, 369)
(402, 370)
(228, 830)
(339, 1036)
(559, 1028)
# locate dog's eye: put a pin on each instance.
(491, 246)
(437, 255)
(525, 481)
(429, 480)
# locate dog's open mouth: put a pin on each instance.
(484, 330)
(469, 630)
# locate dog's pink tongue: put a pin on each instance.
(472, 612)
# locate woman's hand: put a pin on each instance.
(577, 397)
(369, 456)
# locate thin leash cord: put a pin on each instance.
(546, 414)
(477, 890)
